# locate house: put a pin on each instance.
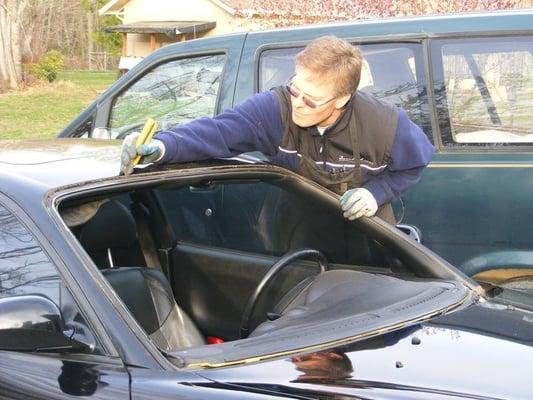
(149, 25)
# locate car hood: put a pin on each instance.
(53, 163)
(482, 352)
(36, 166)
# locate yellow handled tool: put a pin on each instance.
(145, 137)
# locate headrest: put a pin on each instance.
(78, 215)
(112, 226)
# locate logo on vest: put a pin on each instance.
(346, 158)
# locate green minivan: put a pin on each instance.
(466, 79)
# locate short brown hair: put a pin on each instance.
(333, 59)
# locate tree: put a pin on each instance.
(11, 15)
(110, 42)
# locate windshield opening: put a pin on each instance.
(247, 263)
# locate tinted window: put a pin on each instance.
(24, 268)
(264, 218)
(173, 93)
(276, 67)
(393, 72)
(484, 90)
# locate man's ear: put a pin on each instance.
(342, 101)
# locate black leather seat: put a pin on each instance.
(148, 295)
(112, 227)
(110, 238)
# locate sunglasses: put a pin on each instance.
(307, 101)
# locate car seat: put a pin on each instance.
(110, 238)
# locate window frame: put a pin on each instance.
(436, 69)
(104, 107)
(153, 67)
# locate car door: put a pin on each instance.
(230, 233)
(26, 269)
(174, 85)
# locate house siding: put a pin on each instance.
(175, 10)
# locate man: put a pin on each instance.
(315, 124)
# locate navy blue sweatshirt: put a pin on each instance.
(255, 125)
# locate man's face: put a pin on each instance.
(308, 85)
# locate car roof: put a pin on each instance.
(494, 20)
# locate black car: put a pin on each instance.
(231, 279)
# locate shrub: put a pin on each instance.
(49, 66)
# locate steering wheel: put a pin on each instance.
(284, 261)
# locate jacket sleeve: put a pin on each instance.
(253, 125)
(411, 153)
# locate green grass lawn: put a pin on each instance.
(42, 111)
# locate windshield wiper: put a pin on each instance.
(517, 297)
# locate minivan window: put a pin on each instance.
(393, 72)
(484, 90)
(172, 93)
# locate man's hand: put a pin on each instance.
(357, 203)
(149, 153)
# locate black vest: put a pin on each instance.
(365, 129)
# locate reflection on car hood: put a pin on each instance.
(58, 162)
(48, 164)
(34, 152)
(459, 355)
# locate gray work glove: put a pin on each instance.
(150, 152)
(357, 203)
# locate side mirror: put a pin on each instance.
(412, 231)
(34, 323)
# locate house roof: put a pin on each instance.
(299, 9)
(169, 28)
(264, 8)
(115, 6)
(333, 9)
